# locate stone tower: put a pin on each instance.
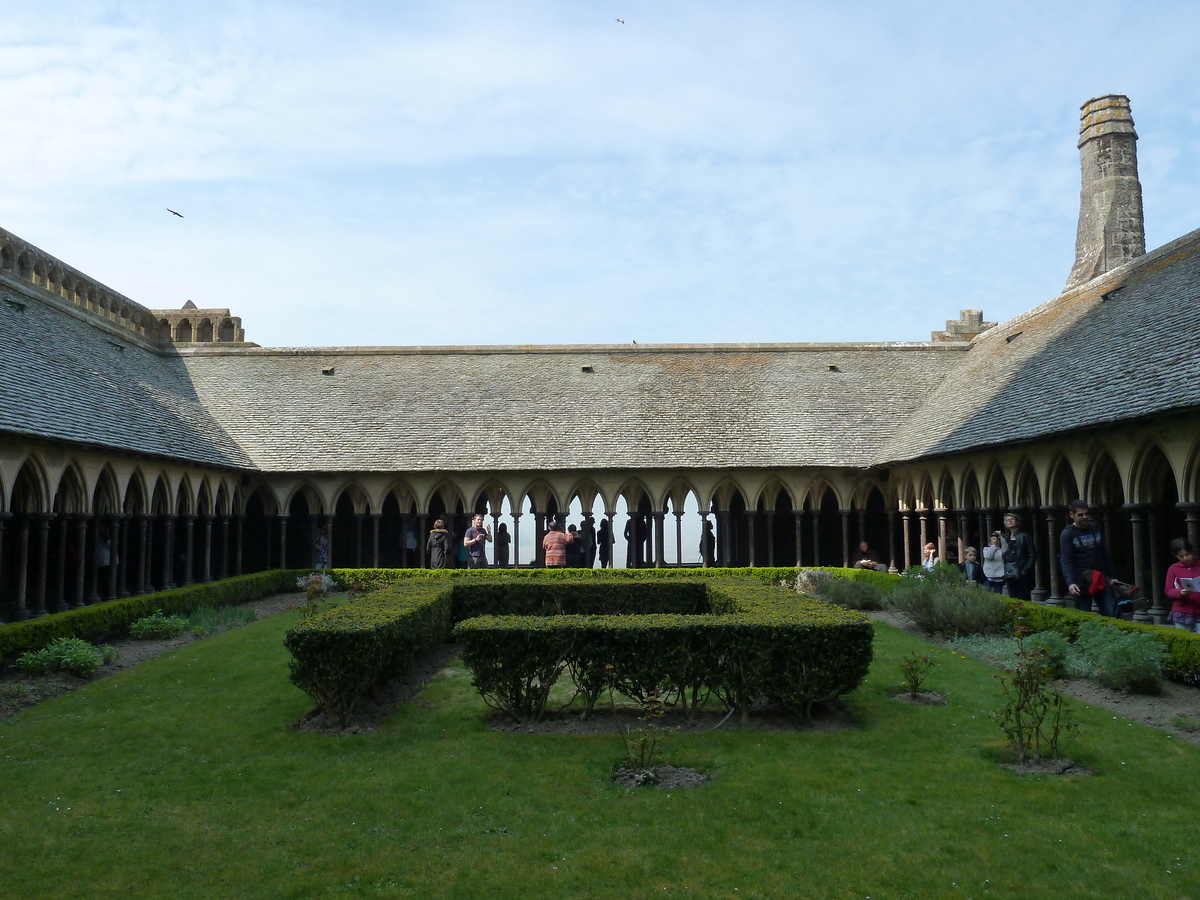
(1111, 230)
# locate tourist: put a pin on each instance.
(1183, 586)
(475, 542)
(971, 567)
(993, 563)
(587, 534)
(604, 544)
(866, 557)
(503, 546)
(929, 557)
(438, 545)
(321, 548)
(1020, 556)
(708, 544)
(555, 545)
(1086, 566)
(574, 549)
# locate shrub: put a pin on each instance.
(1035, 719)
(1054, 648)
(36, 662)
(914, 670)
(157, 627)
(851, 594)
(1123, 661)
(943, 602)
(72, 655)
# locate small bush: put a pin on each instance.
(72, 655)
(1036, 719)
(942, 602)
(851, 594)
(157, 627)
(36, 662)
(1123, 661)
(914, 670)
(1054, 647)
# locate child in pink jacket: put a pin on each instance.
(1185, 612)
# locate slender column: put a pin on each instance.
(816, 535)
(1137, 525)
(962, 536)
(21, 609)
(329, 534)
(114, 557)
(123, 557)
(992, 514)
(941, 527)
(923, 530)
(81, 530)
(891, 526)
(224, 547)
(421, 537)
(60, 578)
(725, 538)
(148, 556)
(678, 537)
(1058, 595)
(41, 525)
(189, 544)
(539, 532)
(238, 536)
(358, 541)
(140, 576)
(283, 520)
(906, 519)
(3, 517)
(515, 552)
(376, 518)
(1161, 608)
(1191, 512)
(751, 518)
(93, 570)
(207, 569)
(770, 513)
(845, 538)
(799, 516)
(659, 537)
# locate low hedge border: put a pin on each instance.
(1183, 647)
(110, 619)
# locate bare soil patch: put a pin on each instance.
(667, 777)
(923, 698)
(1062, 766)
(19, 691)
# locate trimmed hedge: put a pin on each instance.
(113, 618)
(1183, 647)
(761, 643)
(340, 655)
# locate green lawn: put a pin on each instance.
(182, 777)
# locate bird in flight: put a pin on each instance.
(622, 21)
(172, 212)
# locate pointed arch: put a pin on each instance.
(106, 497)
(136, 502)
(997, 488)
(70, 498)
(30, 491)
(185, 497)
(1061, 484)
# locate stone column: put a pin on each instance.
(678, 538)
(189, 538)
(845, 538)
(123, 559)
(60, 578)
(1191, 512)
(725, 549)
(206, 570)
(1161, 608)
(816, 535)
(329, 532)
(422, 536)
(283, 522)
(923, 532)
(891, 526)
(376, 518)
(41, 561)
(1058, 591)
(238, 538)
(114, 558)
(799, 515)
(751, 516)
(963, 540)
(539, 532)
(941, 527)
(168, 552)
(93, 570)
(21, 607)
(3, 517)
(140, 577)
(81, 531)
(1137, 526)
(906, 520)
(770, 514)
(224, 547)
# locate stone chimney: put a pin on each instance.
(1111, 230)
(969, 324)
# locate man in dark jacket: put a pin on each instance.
(1086, 566)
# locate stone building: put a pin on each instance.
(142, 448)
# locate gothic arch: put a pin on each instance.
(817, 490)
(586, 489)
(70, 497)
(768, 494)
(997, 488)
(1061, 484)
(204, 504)
(357, 495)
(184, 498)
(30, 491)
(492, 494)
(312, 498)
(221, 506)
(1026, 491)
(106, 498)
(1151, 466)
(450, 495)
(135, 494)
(406, 500)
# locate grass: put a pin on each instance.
(182, 777)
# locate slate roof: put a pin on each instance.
(504, 408)
(1120, 347)
(65, 377)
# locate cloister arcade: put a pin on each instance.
(171, 524)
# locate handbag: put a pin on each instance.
(1011, 572)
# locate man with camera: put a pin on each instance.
(475, 540)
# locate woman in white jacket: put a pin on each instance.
(993, 563)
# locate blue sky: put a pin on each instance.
(477, 173)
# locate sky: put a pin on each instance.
(412, 173)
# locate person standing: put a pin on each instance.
(587, 534)
(476, 541)
(993, 563)
(1183, 579)
(555, 545)
(438, 545)
(604, 544)
(929, 557)
(503, 546)
(1020, 556)
(971, 567)
(1086, 566)
(708, 545)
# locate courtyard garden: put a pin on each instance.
(188, 776)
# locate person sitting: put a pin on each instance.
(972, 568)
(867, 558)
